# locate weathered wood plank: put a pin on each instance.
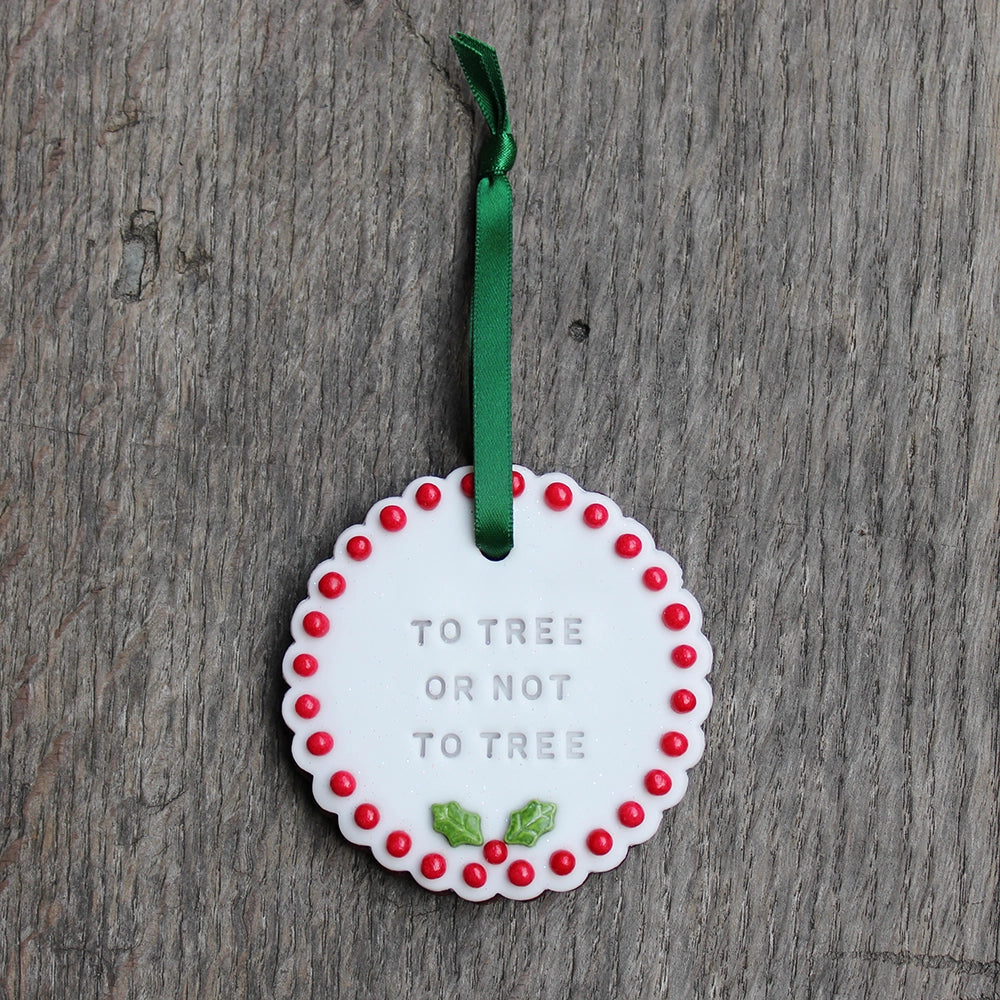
(756, 273)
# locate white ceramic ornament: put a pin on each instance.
(497, 728)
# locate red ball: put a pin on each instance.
(428, 496)
(359, 548)
(393, 518)
(316, 624)
(521, 873)
(467, 484)
(433, 866)
(683, 700)
(562, 862)
(474, 875)
(398, 844)
(658, 782)
(558, 496)
(319, 744)
(305, 665)
(599, 842)
(684, 656)
(676, 616)
(595, 516)
(517, 484)
(628, 546)
(655, 578)
(674, 744)
(332, 585)
(495, 852)
(343, 784)
(631, 814)
(307, 706)
(366, 816)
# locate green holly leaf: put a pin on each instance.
(457, 824)
(529, 823)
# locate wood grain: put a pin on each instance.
(757, 272)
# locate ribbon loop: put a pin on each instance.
(482, 70)
(489, 326)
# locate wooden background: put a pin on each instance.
(756, 286)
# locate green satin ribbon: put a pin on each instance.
(489, 333)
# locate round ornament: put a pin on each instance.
(497, 727)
